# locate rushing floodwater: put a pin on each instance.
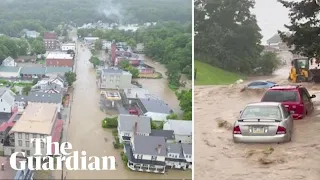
(85, 132)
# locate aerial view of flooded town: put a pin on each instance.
(113, 78)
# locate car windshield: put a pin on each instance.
(280, 96)
(267, 112)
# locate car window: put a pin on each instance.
(254, 84)
(285, 111)
(304, 95)
(280, 96)
(268, 112)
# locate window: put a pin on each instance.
(12, 151)
(20, 135)
(41, 136)
(42, 145)
(20, 142)
(27, 136)
(27, 143)
(28, 153)
(305, 96)
(34, 144)
(280, 96)
(139, 156)
(285, 111)
(153, 158)
(269, 112)
(34, 135)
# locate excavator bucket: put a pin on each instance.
(315, 73)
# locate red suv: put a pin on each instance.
(295, 98)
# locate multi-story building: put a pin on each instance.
(114, 78)
(39, 120)
(50, 40)
(182, 130)
(68, 46)
(59, 60)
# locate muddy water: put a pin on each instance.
(85, 132)
(217, 157)
(159, 87)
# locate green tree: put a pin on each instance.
(134, 71)
(35, 81)
(172, 116)
(26, 90)
(98, 45)
(304, 28)
(95, 61)
(268, 62)
(37, 47)
(124, 64)
(71, 77)
(185, 98)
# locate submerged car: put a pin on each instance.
(260, 84)
(263, 122)
(295, 98)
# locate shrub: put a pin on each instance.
(115, 132)
(124, 158)
(110, 122)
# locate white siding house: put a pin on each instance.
(68, 46)
(179, 156)
(113, 78)
(130, 125)
(182, 130)
(9, 62)
(156, 109)
(6, 100)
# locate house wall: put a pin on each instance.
(183, 138)
(148, 157)
(4, 105)
(24, 142)
(156, 116)
(9, 63)
(9, 74)
(113, 81)
(50, 43)
(21, 105)
(66, 48)
(176, 165)
(129, 134)
(59, 62)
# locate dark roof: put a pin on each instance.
(41, 97)
(127, 122)
(140, 161)
(58, 69)
(9, 69)
(168, 134)
(187, 148)
(49, 35)
(154, 105)
(4, 117)
(147, 145)
(33, 70)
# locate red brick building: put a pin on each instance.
(50, 40)
(59, 60)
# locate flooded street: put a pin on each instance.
(217, 157)
(86, 134)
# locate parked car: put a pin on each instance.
(133, 112)
(295, 98)
(260, 84)
(263, 122)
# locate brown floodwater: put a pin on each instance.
(217, 157)
(86, 134)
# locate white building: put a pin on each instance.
(179, 156)
(129, 125)
(90, 40)
(52, 85)
(113, 78)
(39, 120)
(156, 109)
(68, 46)
(9, 62)
(6, 100)
(182, 130)
(22, 101)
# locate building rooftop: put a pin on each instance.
(168, 134)
(154, 105)
(37, 118)
(149, 145)
(59, 56)
(187, 148)
(41, 97)
(127, 123)
(175, 148)
(49, 35)
(69, 44)
(180, 127)
(58, 69)
(33, 70)
(9, 69)
(135, 93)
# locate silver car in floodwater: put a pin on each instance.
(263, 122)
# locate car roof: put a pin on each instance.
(262, 81)
(264, 104)
(287, 87)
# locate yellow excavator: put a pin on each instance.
(305, 70)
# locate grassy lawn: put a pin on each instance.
(209, 75)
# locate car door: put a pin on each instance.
(306, 100)
(287, 117)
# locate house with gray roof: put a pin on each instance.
(6, 100)
(50, 85)
(114, 78)
(182, 130)
(9, 62)
(9, 72)
(146, 153)
(21, 101)
(130, 125)
(179, 156)
(167, 134)
(33, 72)
(156, 109)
